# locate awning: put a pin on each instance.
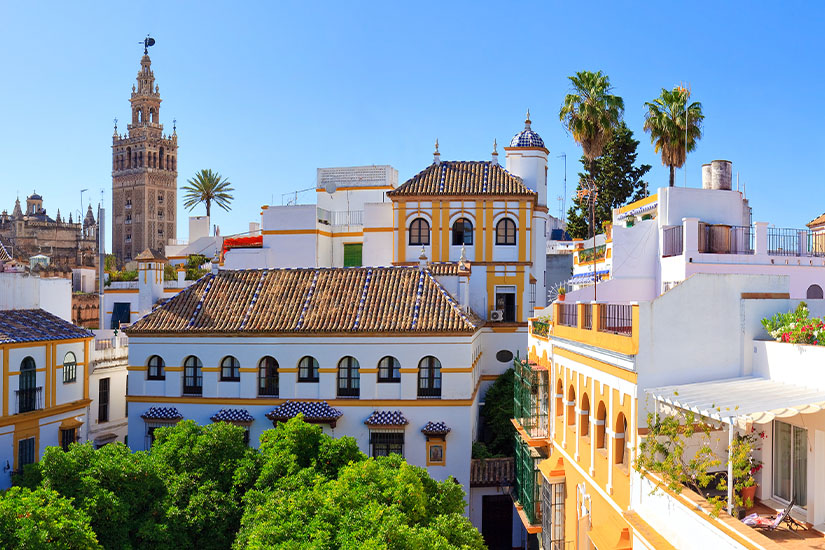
(742, 401)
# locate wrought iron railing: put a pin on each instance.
(569, 315)
(527, 487)
(429, 392)
(672, 243)
(193, 385)
(587, 317)
(530, 399)
(795, 242)
(616, 318)
(29, 399)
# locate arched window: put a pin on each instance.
(506, 232)
(621, 434)
(389, 369)
(419, 232)
(230, 369)
(192, 376)
(584, 422)
(268, 377)
(571, 407)
(601, 419)
(128, 157)
(69, 368)
(349, 382)
(161, 159)
(429, 377)
(27, 394)
(157, 368)
(308, 369)
(462, 232)
(559, 399)
(814, 292)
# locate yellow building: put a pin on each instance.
(44, 387)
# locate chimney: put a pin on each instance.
(436, 154)
(495, 152)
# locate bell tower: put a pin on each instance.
(144, 173)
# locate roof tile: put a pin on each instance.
(463, 178)
(36, 325)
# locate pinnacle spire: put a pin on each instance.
(527, 121)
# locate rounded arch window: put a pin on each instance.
(193, 376)
(814, 292)
(584, 423)
(349, 379)
(27, 396)
(268, 377)
(389, 369)
(601, 419)
(157, 368)
(308, 369)
(69, 367)
(571, 407)
(621, 440)
(559, 398)
(419, 232)
(230, 369)
(506, 232)
(429, 377)
(462, 232)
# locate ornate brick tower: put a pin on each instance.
(144, 174)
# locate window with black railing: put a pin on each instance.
(385, 443)
(587, 317)
(29, 396)
(616, 318)
(192, 376)
(103, 400)
(795, 242)
(429, 377)
(672, 243)
(569, 315)
(268, 377)
(349, 378)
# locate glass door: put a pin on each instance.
(790, 463)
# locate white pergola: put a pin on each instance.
(740, 402)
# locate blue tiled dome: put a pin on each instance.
(527, 137)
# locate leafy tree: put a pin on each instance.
(208, 187)
(618, 180)
(41, 519)
(670, 121)
(120, 491)
(497, 412)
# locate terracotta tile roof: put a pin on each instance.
(4, 255)
(491, 472)
(386, 418)
(36, 325)
(149, 254)
(463, 178)
(310, 301)
(817, 221)
(443, 268)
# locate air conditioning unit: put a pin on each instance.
(496, 315)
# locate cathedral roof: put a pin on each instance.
(527, 137)
(364, 300)
(457, 178)
(35, 197)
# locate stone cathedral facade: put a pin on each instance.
(144, 175)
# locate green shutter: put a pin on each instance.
(352, 254)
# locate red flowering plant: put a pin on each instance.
(742, 461)
(795, 327)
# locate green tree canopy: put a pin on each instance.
(497, 412)
(43, 520)
(202, 487)
(207, 187)
(617, 177)
(670, 122)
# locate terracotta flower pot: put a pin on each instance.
(561, 297)
(748, 496)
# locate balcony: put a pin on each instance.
(340, 218)
(607, 326)
(530, 404)
(29, 399)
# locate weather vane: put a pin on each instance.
(148, 41)
(115, 124)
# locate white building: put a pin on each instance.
(676, 326)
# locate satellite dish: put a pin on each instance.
(330, 187)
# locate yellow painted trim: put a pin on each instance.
(253, 370)
(86, 358)
(628, 345)
(210, 369)
(443, 444)
(367, 371)
(401, 227)
(49, 379)
(69, 423)
(522, 233)
(618, 372)
(360, 187)
(4, 398)
(641, 202)
(121, 291)
(453, 370)
(435, 233)
(489, 233)
(43, 342)
(327, 370)
(378, 230)
(409, 371)
(489, 377)
(25, 430)
(41, 369)
(43, 413)
(288, 370)
(278, 401)
(173, 369)
(479, 236)
(137, 368)
(445, 232)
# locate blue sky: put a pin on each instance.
(266, 93)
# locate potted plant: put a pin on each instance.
(562, 292)
(745, 466)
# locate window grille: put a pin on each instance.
(192, 376)
(384, 443)
(69, 368)
(419, 232)
(349, 380)
(67, 437)
(268, 377)
(25, 452)
(103, 400)
(506, 232)
(429, 377)
(552, 521)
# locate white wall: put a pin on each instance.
(22, 291)
(709, 205)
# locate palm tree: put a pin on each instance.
(591, 112)
(207, 186)
(665, 121)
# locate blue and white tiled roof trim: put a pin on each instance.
(527, 138)
(233, 415)
(315, 410)
(386, 418)
(162, 413)
(435, 428)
